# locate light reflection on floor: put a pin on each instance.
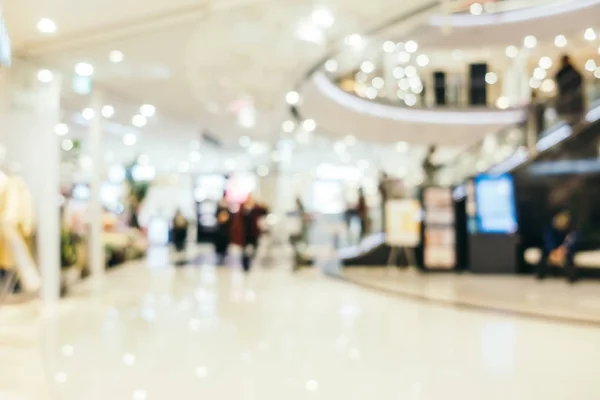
(207, 332)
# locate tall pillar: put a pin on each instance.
(29, 111)
(515, 82)
(96, 247)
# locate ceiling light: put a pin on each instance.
(108, 111)
(404, 84)
(410, 99)
(389, 46)
(129, 139)
(401, 147)
(143, 159)
(590, 34)
(292, 97)
(139, 121)
(262, 171)
(312, 385)
(247, 117)
(61, 129)
(411, 46)
(560, 41)
(309, 33)
(45, 76)
(288, 126)
(140, 395)
(378, 82)
(535, 83)
(46, 25)
(548, 85)
(476, 9)
(410, 71)
(116, 57)
(309, 125)
(512, 51)
(371, 93)
(491, 78)
(545, 62)
(67, 145)
(503, 102)
(355, 41)
(530, 41)
(597, 73)
(84, 69)
(422, 60)
(88, 114)
(195, 156)
(398, 72)
(590, 65)
(323, 17)
(367, 67)
(245, 141)
(331, 66)
(148, 110)
(403, 57)
(539, 73)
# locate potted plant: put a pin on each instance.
(68, 260)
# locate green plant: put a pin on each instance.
(68, 248)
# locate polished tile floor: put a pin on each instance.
(552, 298)
(155, 332)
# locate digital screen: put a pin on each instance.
(5, 50)
(495, 204)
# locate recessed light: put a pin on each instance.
(590, 65)
(147, 110)
(530, 41)
(45, 76)
(139, 121)
(288, 126)
(560, 41)
(367, 67)
(129, 139)
(323, 17)
(61, 129)
(503, 102)
(411, 46)
(546, 62)
(309, 125)
(590, 34)
(262, 170)
(512, 51)
(331, 65)
(84, 69)
(422, 60)
(46, 25)
(108, 111)
(389, 46)
(491, 78)
(116, 56)
(378, 82)
(67, 145)
(292, 97)
(88, 114)
(476, 9)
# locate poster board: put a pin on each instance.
(403, 223)
(440, 230)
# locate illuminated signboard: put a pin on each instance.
(5, 51)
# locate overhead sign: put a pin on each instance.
(5, 49)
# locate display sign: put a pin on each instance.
(5, 49)
(403, 223)
(440, 234)
(495, 204)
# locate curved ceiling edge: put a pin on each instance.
(519, 15)
(425, 116)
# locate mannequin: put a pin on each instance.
(16, 226)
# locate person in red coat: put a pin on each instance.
(246, 230)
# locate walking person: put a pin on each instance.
(221, 238)
(569, 103)
(363, 213)
(179, 235)
(246, 229)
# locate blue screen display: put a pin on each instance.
(495, 204)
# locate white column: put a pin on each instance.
(515, 82)
(96, 246)
(28, 114)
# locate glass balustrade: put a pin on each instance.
(509, 145)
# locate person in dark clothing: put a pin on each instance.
(246, 230)
(383, 196)
(537, 111)
(569, 103)
(363, 213)
(221, 239)
(429, 167)
(180, 229)
(560, 244)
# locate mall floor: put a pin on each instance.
(154, 332)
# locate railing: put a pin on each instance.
(512, 144)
